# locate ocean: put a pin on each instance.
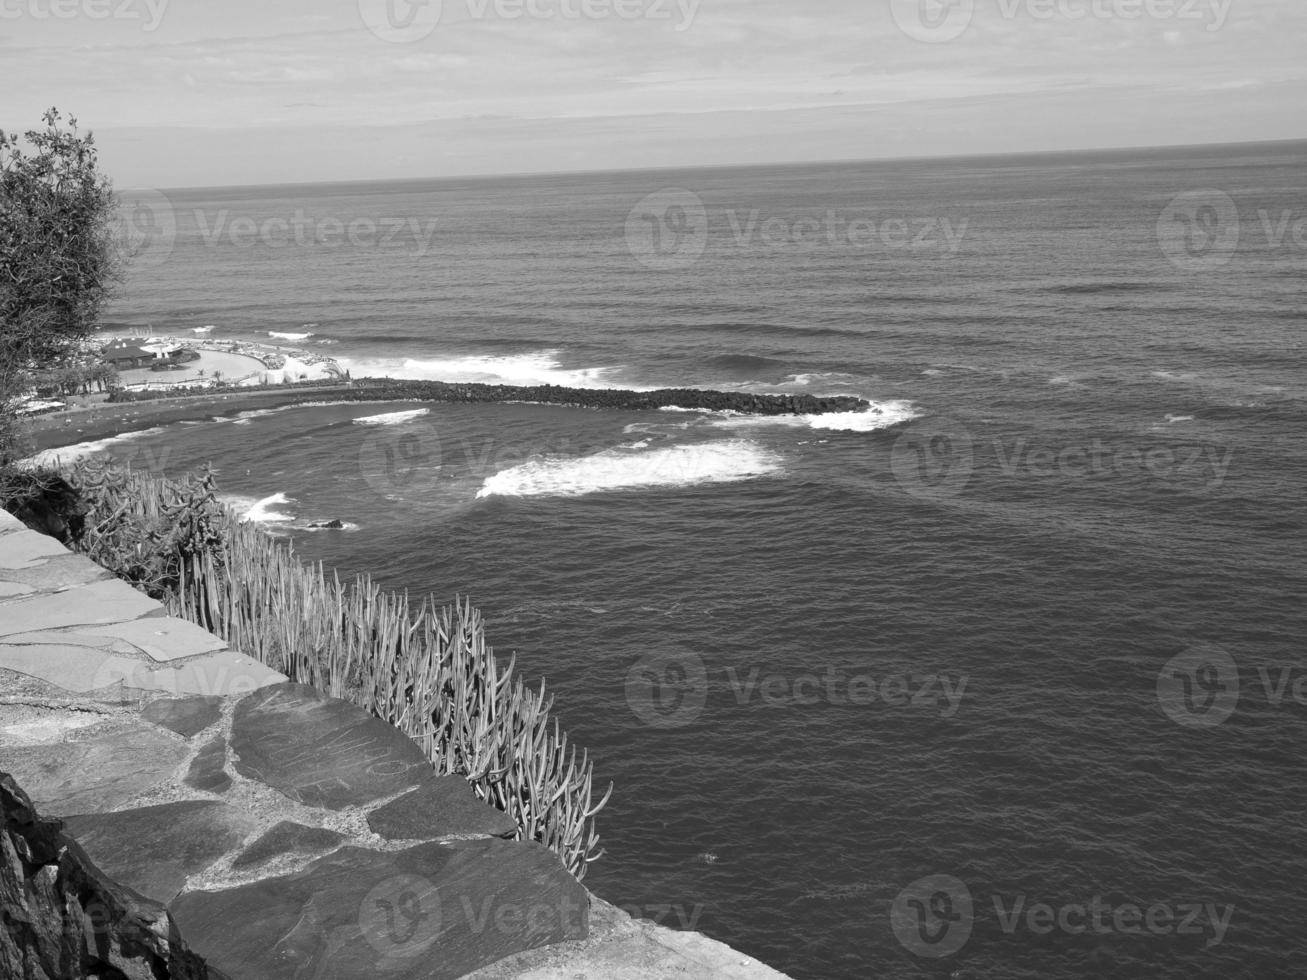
(1004, 677)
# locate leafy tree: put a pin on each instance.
(58, 257)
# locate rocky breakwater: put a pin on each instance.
(388, 389)
(174, 810)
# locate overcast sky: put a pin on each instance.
(199, 92)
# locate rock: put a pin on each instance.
(443, 807)
(321, 751)
(110, 601)
(207, 771)
(332, 525)
(154, 849)
(432, 912)
(185, 716)
(287, 837)
(98, 774)
(64, 918)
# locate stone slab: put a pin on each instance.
(8, 522)
(96, 774)
(163, 638)
(185, 716)
(61, 572)
(154, 849)
(288, 837)
(223, 674)
(622, 948)
(443, 807)
(110, 601)
(338, 754)
(25, 548)
(431, 912)
(9, 589)
(207, 772)
(73, 668)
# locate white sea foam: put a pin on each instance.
(1172, 419)
(262, 511)
(393, 418)
(540, 368)
(208, 329)
(878, 416)
(628, 468)
(65, 455)
(289, 336)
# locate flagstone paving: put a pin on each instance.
(288, 833)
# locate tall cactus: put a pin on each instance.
(426, 669)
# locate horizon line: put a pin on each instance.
(508, 175)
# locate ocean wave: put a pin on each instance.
(629, 468)
(289, 336)
(393, 418)
(878, 416)
(1173, 419)
(540, 368)
(65, 455)
(209, 329)
(260, 511)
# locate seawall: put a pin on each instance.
(219, 821)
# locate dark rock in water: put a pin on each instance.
(333, 525)
(434, 912)
(62, 917)
(391, 389)
(288, 837)
(207, 770)
(185, 716)
(154, 849)
(321, 751)
(444, 807)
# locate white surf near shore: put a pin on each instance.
(629, 467)
(540, 368)
(878, 416)
(65, 455)
(393, 418)
(289, 336)
(261, 511)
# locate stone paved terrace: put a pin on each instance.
(288, 834)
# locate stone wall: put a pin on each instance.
(61, 917)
